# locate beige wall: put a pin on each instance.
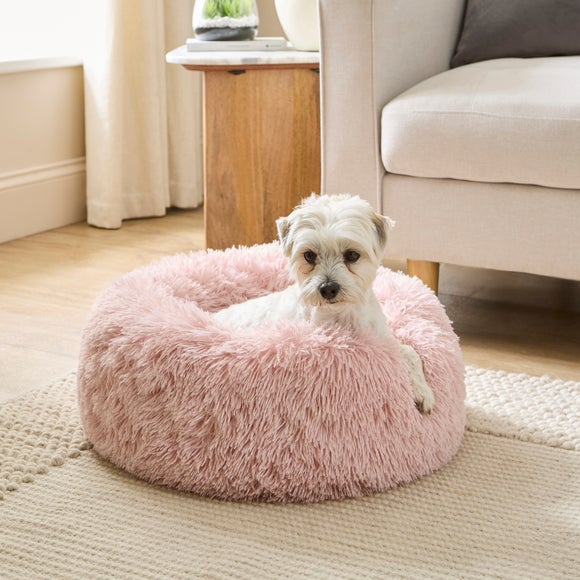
(42, 173)
(269, 24)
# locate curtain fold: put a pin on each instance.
(143, 117)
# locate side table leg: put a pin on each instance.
(262, 151)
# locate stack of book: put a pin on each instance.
(259, 43)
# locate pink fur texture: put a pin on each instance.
(285, 412)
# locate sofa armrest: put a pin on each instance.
(371, 51)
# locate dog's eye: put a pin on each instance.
(310, 256)
(351, 256)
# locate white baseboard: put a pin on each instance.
(42, 198)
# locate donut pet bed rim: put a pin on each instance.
(285, 413)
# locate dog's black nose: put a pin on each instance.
(329, 290)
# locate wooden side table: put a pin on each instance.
(261, 139)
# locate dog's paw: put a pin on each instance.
(422, 393)
(424, 400)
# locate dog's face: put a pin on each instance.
(335, 245)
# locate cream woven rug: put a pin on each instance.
(508, 505)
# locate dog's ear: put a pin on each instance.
(383, 225)
(283, 225)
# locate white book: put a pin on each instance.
(259, 43)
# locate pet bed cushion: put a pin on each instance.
(277, 412)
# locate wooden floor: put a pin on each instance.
(49, 281)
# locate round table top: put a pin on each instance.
(231, 60)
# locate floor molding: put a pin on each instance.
(41, 173)
(41, 198)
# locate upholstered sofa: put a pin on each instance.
(478, 164)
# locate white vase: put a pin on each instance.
(299, 19)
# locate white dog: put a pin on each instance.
(335, 245)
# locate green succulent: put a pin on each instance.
(227, 8)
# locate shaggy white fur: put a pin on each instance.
(335, 244)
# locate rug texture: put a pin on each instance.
(507, 505)
(284, 411)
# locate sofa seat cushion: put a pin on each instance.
(498, 121)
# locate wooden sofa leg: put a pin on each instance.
(428, 272)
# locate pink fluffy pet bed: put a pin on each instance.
(286, 412)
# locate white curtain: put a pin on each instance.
(143, 116)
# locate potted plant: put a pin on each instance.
(225, 19)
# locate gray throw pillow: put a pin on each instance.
(518, 28)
